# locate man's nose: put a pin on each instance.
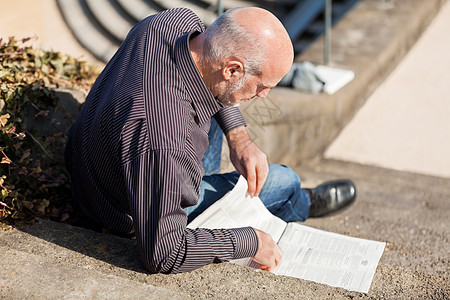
(263, 93)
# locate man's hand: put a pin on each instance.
(268, 254)
(248, 159)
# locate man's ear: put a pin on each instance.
(233, 70)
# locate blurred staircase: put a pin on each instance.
(101, 25)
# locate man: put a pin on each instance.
(135, 152)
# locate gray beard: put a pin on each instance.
(226, 97)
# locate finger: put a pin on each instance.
(275, 264)
(261, 174)
(277, 260)
(251, 180)
(271, 268)
(279, 256)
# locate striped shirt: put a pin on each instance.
(135, 151)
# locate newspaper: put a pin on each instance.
(308, 253)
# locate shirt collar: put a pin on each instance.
(204, 103)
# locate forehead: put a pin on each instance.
(270, 76)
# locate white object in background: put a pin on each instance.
(334, 78)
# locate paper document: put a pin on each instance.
(329, 258)
(308, 253)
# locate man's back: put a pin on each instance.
(135, 151)
(112, 128)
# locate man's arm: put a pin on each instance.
(157, 184)
(246, 157)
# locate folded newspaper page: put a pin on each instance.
(308, 253)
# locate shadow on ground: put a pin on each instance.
(116, 251)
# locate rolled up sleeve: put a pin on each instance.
(229, 117)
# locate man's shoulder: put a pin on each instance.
(178, 19)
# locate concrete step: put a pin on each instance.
(43, 266)
(77, 18)
(112, 19)
(138, 9)
(292, 126)
(407, 211)
(206, 14)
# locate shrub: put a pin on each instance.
(33, 179)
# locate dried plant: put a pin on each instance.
(33, 179)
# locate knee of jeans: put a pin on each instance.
(285, 174)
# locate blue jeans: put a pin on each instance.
(281, 193)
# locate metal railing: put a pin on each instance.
(327, 37)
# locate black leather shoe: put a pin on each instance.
(330, 197)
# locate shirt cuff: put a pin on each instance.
(246, 242)
(229, 117)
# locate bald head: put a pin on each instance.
(253, 35)
(270, 33)
(243, 54)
